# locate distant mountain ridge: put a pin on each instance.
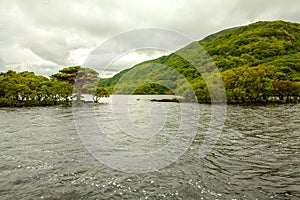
(259, 62)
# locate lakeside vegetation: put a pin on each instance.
(28, 89)
(259, 63)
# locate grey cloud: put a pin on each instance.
(153, 38)
(54, 52)
(96, 18)
(45, 69)
(267, 10)
(152, 53)
(53, 29)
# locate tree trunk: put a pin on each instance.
(79, 92)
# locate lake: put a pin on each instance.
(54, 152)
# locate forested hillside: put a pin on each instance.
(258, 63)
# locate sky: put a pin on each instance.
(45, 36)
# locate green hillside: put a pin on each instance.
(258, 63)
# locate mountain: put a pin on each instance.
(259, 62)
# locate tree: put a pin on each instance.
(248, 84)
(81, 78)
(85, 79)
(63, 90)
(285, 89)
(100, 92)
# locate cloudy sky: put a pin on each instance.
(46, 35)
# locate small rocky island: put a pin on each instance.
(176, 100)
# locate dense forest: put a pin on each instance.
(258, 63)
(29, 89)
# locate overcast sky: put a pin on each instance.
(46, 35)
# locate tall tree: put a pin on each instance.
(81, 78)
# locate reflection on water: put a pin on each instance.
(257, 156)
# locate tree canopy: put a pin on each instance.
(84, 80)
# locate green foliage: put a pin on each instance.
(245, 84)
(67, 74)
(152, 88)
(255, 44)
(259, 63)
(100, 92)
(28, 89)
(83, 79)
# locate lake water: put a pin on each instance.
(43, 154)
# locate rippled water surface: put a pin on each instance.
(257, 156)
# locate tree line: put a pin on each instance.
(243, 85)
(262, 84)
(28, 89)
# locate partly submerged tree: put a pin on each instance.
(100, 92)
(83, 79)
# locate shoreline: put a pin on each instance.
(172, 100)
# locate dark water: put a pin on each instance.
(256, 157)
